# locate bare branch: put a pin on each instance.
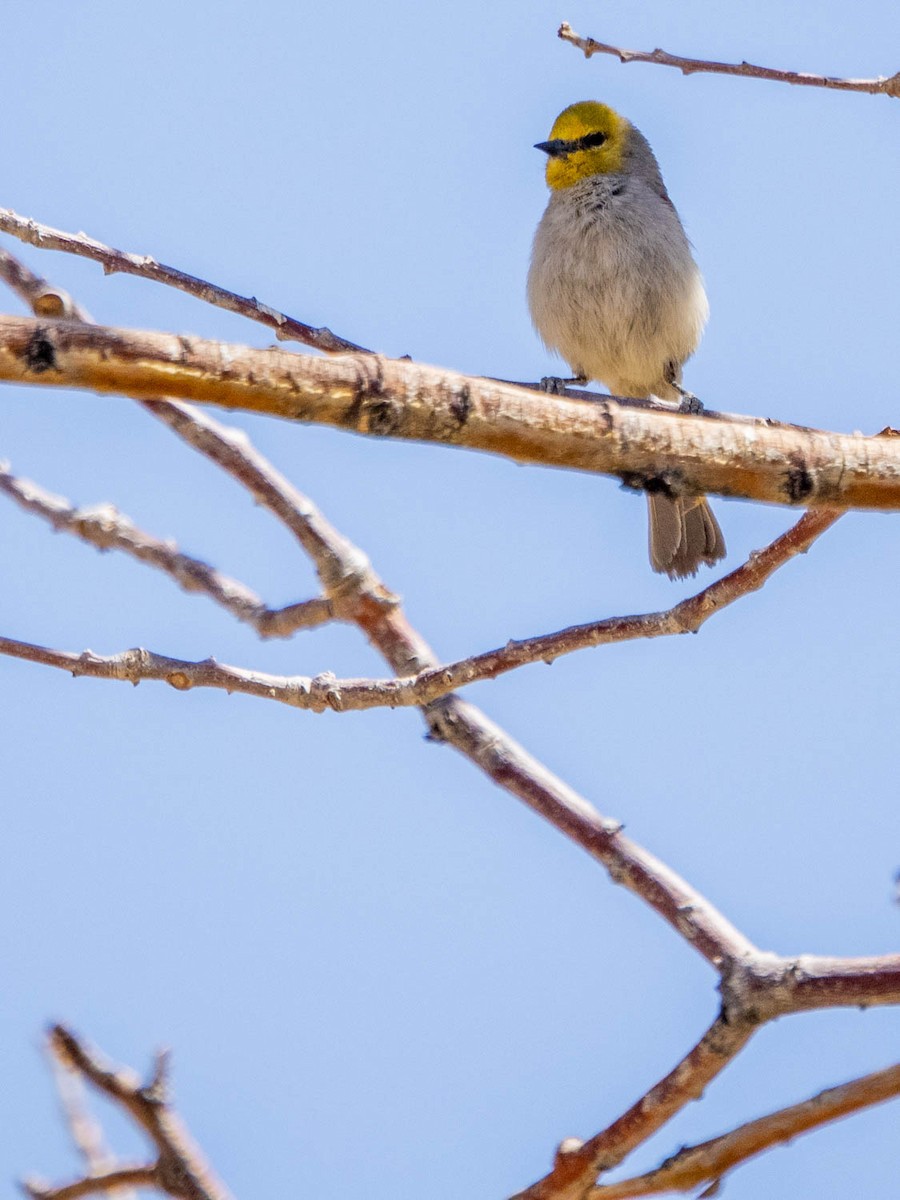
(685, 617)
(390, 397)
(578, 1164)
(748, 977)
(139, 665)
(343, 569)
(180, 1169)
(103, 526)
(691, 66)
(812, 981)
(143, 265)
(42, 298)
(756, 988)
(47, 300)
(346, 695)
(304, 614)
(695, 1165)
(107, 1182)
(360, 596)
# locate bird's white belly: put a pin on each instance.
(618, 296)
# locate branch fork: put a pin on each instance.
(755, 986)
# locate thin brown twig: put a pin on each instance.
(146, 267)
(343, 568)
(118, 1180)
(578, 1164)
(103, 526)
(711, 1160)
(589, 46)
(180, 1169)
(762, 987)
(378, 397)
(352, 695)
(139, 666)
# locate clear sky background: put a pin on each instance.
(379, 974)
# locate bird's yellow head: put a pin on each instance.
(586, 139)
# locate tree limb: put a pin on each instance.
(347, 695)
(669, 451)
(103, 526)
(755, 987)
(691, 66)
(695, 1165)
(179, 1170)
(118, 1179)
(578, 1164)
(146, 267)
(46, 300)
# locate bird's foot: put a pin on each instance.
(689, 403)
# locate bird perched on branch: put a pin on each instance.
(613, 288)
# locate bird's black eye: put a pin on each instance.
(591, 140)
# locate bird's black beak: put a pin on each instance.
(558, 148)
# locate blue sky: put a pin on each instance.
(377, 971)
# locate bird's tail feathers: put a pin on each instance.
(684, 533)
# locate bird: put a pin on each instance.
(613, 288)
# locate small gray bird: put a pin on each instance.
(613, 288)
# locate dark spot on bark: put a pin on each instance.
(380, 417)
(800, 484)
(40, 353)
(461, 404)
(363, 412)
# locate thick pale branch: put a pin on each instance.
(105, 527)
(146, 267)
(387, 397)
(693, 66)
(695, 1165)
